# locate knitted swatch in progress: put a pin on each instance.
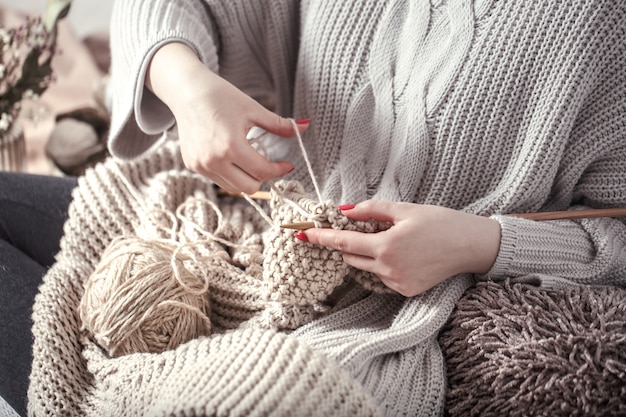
(215, 265)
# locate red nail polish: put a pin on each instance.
(301, 236)
(346, 207)
(303, 121)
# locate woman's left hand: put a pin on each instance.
(424, 246)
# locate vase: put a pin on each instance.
(13, 149)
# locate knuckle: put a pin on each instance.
(204, 159)
(397, 281)
(393, 285)
(213, 158)
(339, 243)
(400, 287)
(282, 121)
(386, 274)
(385, 255)
(220, 153)
(405, 291)
(194, 164)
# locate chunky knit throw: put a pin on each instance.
(244, 367)
(485, 106)
(153, 291)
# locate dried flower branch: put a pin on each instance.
(25, 70)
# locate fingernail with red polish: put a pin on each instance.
(301, 236)
(346, 207)
(303, 121)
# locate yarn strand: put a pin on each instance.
(306, 214)
(307, 161)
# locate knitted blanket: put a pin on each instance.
(370, 353)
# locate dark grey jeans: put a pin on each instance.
(33, 209)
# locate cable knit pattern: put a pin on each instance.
(521, 107)
(485, 106)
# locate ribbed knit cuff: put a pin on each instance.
(508, 246)
(151, 114)
(564, 250)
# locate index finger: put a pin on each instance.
(347, 241)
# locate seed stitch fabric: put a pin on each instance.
(498, 107)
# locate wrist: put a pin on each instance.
(487, 245)
(170, 71)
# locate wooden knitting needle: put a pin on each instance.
(572, 214)
(259, 195)
(539, 216)
(304, 225)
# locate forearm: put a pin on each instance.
(138, 30)
(174, 84)
(482, 238)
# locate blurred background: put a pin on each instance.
(86, 16)
(80, 68)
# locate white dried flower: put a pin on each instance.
(5, 122)
(29, 95)
(36, 37)
(5, 38)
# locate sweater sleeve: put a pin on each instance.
(592, 174)
(251, 44)
(561, 253)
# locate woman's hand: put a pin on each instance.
(213, 119)
(424, 246)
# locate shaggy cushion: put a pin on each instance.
(515, 350)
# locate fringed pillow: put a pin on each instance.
(514, 350)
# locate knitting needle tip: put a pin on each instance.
(303, 225)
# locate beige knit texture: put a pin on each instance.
(253, 371)
(495, 107)
(483, 106)
(155, 291)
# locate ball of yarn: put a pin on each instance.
(142, 297)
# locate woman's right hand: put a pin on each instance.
(213, 119)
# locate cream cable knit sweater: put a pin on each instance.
(484, 106)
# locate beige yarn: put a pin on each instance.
(152, 292)
(142, 298)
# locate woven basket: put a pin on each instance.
(13, 149)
